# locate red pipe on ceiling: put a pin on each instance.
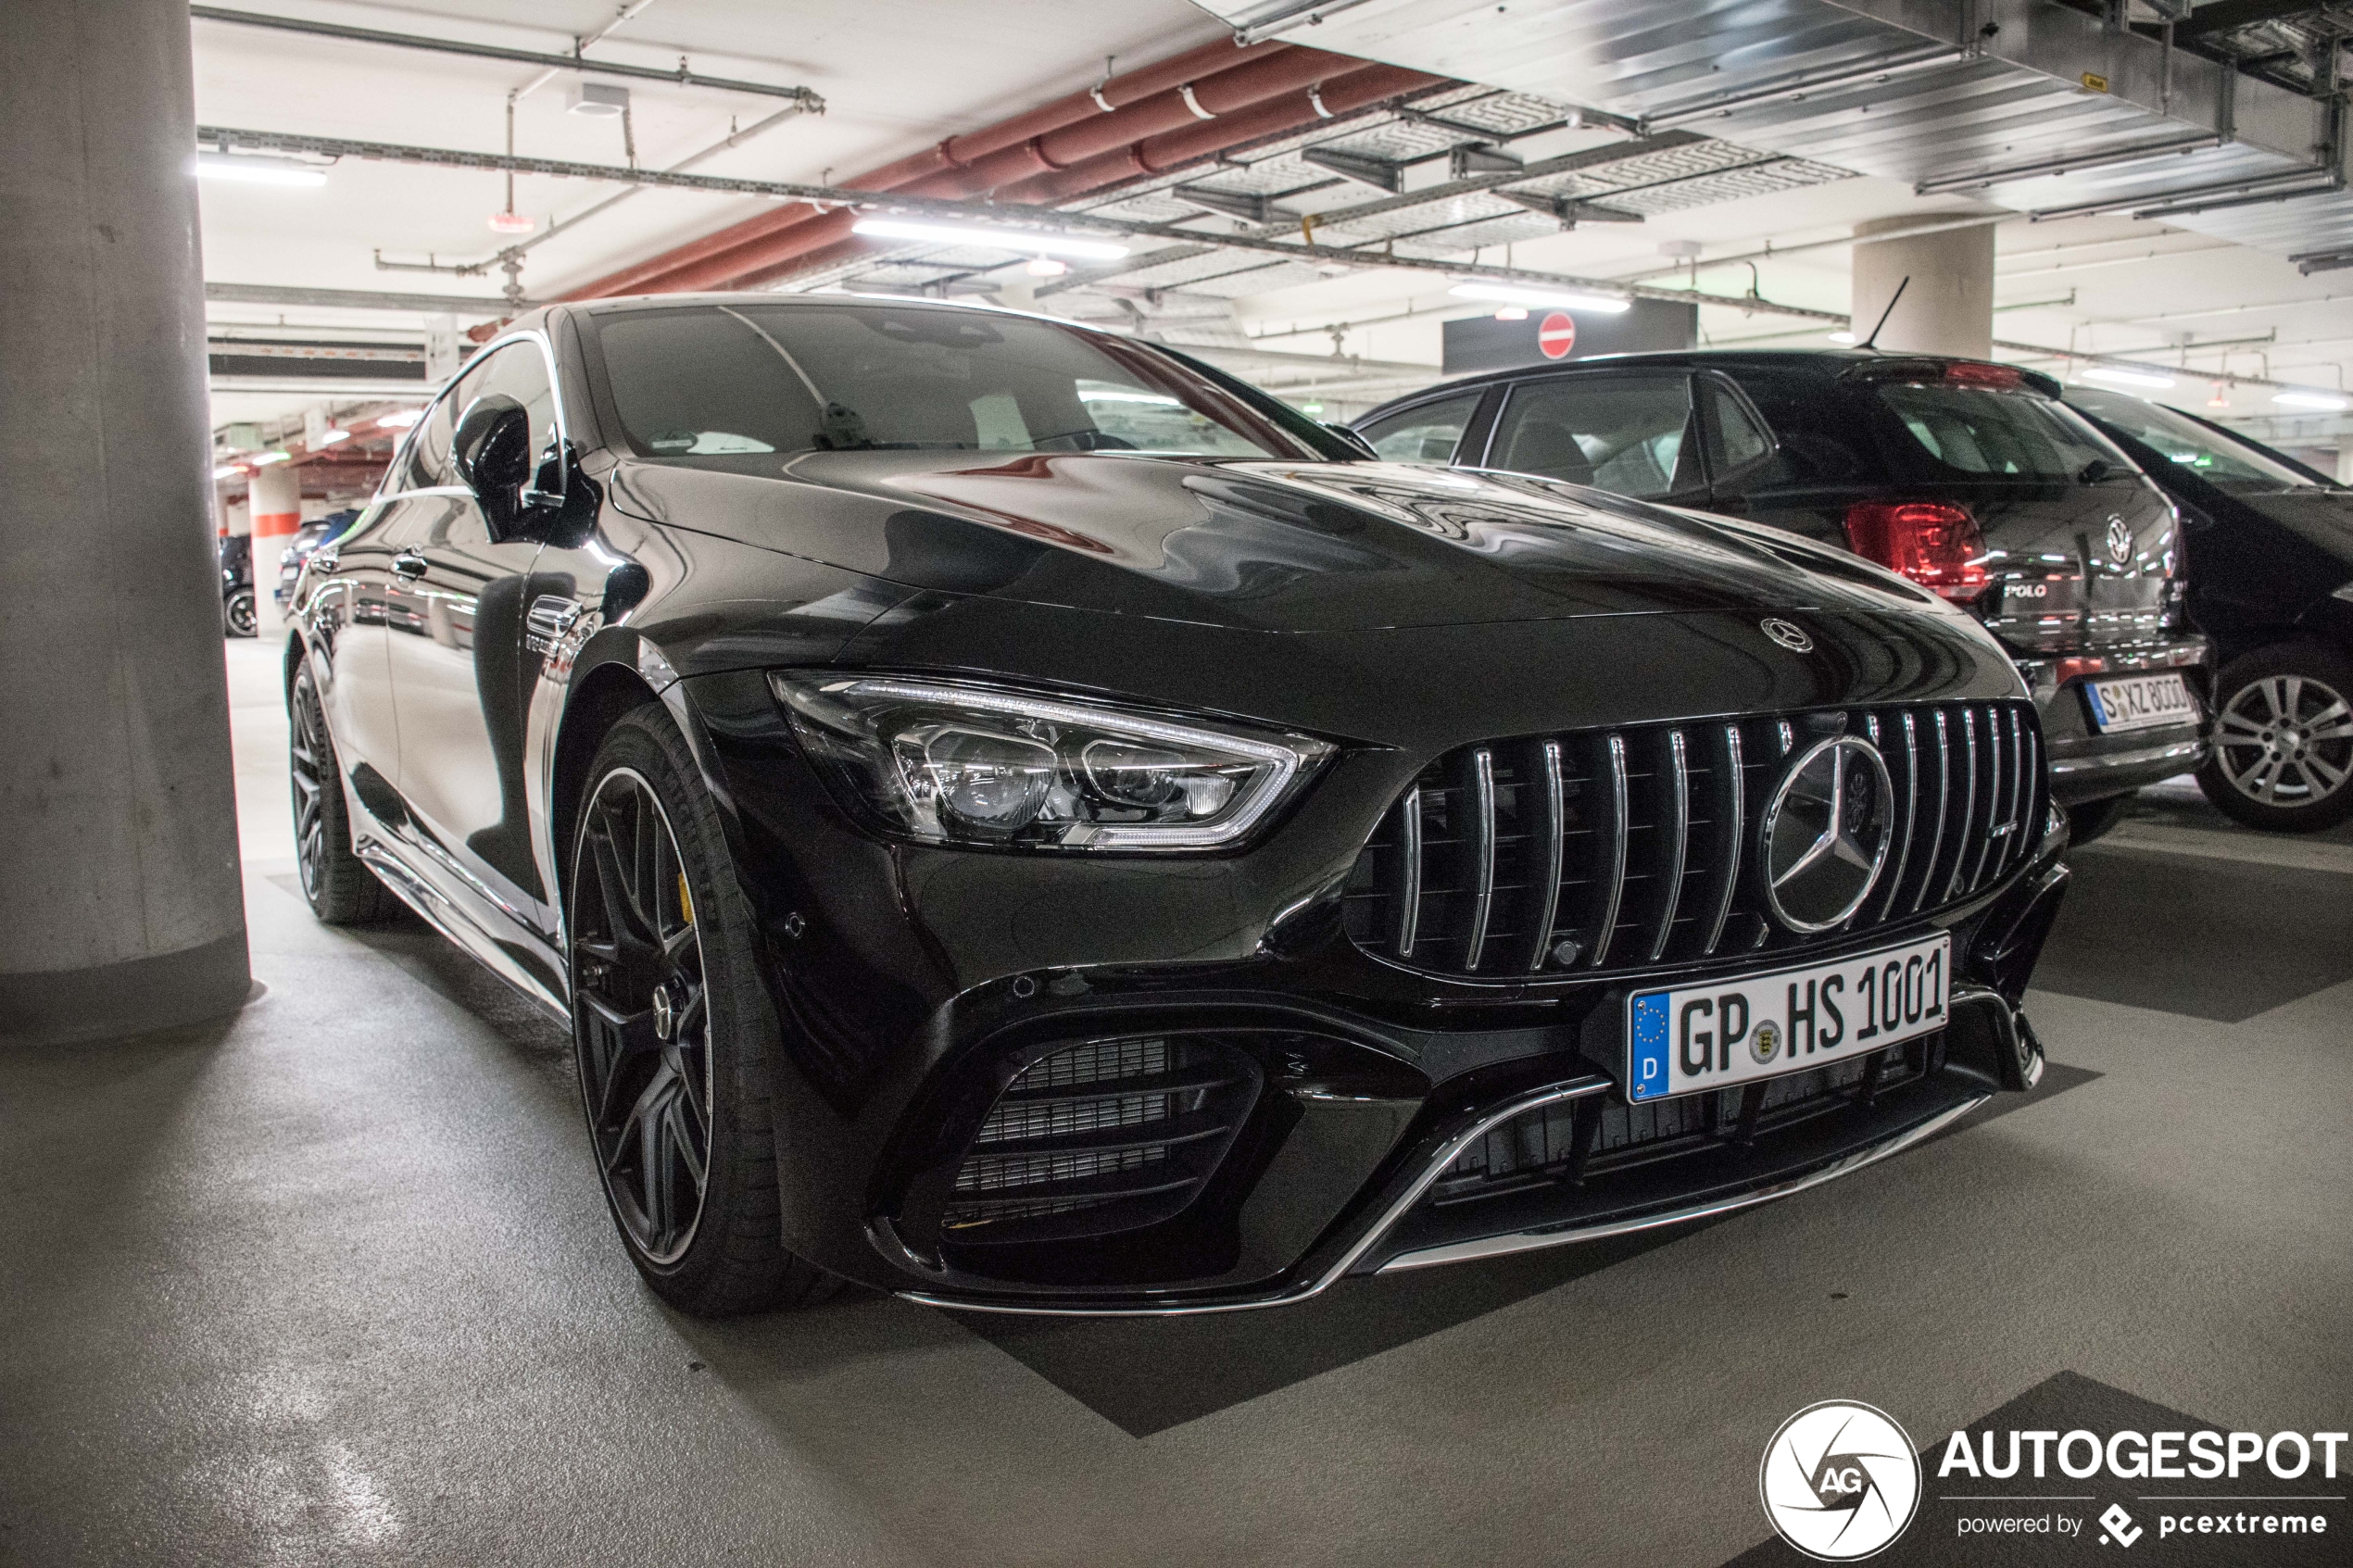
(783, 253)
(1159, 154)
(816, 246)
(1202, 65)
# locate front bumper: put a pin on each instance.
(916, 985)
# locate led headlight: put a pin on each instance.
(950, 764)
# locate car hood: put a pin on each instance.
(1256, 545)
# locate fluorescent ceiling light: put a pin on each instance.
(1511, 313)
(1543, 299)
(1028, 240)
(330, 437)
(1089, 395)
(511, 223)
(263, 459)
(401, 419)
(227, 471)
(1841, 337)
(257, 171)
(2321, 400)
(2113, 377)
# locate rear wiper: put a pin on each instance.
(2096, 470)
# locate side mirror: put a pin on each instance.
(1362, 447)
(491, 451)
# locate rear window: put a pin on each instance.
(2212, 455)
(1980, 432)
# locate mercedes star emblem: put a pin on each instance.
(1826, 832)
(2120, 541)
(1789, 635)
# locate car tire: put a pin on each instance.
(2282, 753)
(338, 884)
(675, 1036)
(2095, 817)
(238, 616)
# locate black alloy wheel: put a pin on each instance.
(238, 614)
(675, 1035)
(338, 884)
(2282, 752)
(644, 1021)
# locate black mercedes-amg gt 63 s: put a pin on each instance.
(1015, 817)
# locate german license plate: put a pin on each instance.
(2140, 702)
(1723, 1033)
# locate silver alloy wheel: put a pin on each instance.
(2285, 741)
(642, 1020)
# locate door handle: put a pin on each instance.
(409, 564)
(552, 615)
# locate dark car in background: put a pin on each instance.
(2271, 576)
(310, 536)
(1969, 478)
(1017, 818)
(234, 553)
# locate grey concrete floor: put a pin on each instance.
(332, 1283)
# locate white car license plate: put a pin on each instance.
(2141, 702)
(1730, 1031)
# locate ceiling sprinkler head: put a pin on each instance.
(2221, 399)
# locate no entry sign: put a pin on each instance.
(1556, 335)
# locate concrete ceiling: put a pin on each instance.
(898, 75)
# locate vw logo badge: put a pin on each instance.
(1788, 634)
(1826, 832)
(2120, 541)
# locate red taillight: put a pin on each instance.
(1935, 544)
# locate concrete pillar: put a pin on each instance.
(277, 503)
(121, 905)
(1948, 306)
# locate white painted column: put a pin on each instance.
(1948, 306)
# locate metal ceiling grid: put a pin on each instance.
(1928, 91)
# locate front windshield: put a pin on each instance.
(2212, 455)
(720, 380)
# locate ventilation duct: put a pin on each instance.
(2029, 105)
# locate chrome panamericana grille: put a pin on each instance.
(1599, 851)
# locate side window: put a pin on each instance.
(1628, 434)
(428, 450)
(1429, 433)
(1737, 444)
(1823, 438)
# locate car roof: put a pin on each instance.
(1827, 364)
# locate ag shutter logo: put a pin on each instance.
(2117, 1525)
(1840, 1481)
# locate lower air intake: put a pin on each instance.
(1104, 1136)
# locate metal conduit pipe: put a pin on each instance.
(956, 152)
(783, 250)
